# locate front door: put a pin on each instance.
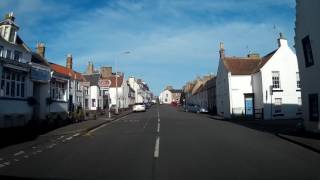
(248, 100)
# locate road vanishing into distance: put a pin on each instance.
(166, 143)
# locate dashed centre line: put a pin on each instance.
(156, 148)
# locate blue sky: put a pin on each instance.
(171, 41)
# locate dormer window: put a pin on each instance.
(6, 32)
(12, 35)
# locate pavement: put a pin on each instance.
(165, 144)
(285, 129)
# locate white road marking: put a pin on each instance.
(19, 153)
(34, 147)
(26, 156)
(7, 163)
(107, 124)
(39, 151)
(16, 160)
(2, 165)
(61, 137)
(75, 135)
(158, 129)
(93, 130)
(69, 138)
(156, 148)
(1, 159)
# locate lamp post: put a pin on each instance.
(115, 62)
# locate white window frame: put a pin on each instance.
(298, 80)
(1, 51)
(277, 105)
(276, 83)
(13, 84)
(58, 90)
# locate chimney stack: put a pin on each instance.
(221, 51)
(282, 41)
(69, 61)
(90, 68)
(41, 49)
(106, 72)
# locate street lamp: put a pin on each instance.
(115, 62)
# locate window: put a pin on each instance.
(17, 55)
(86, 103)
(1, 51)
(58, 91)
(8, 55)
(277, 105)
(1, 31)
(313, 107)
(6, 31)
(298, 80)
(93, 103)
(11, 35)
(12, 84)
(85, 90)
(299, 104)
(276, 79)
(307, 51)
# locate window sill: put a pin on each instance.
(277, 90)
(298, 90)
(59, 101)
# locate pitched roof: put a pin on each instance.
(92, 78)
(175, 90)
(36, 58)
(66, 71)
(241, 65)
(264, 60)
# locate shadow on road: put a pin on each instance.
(287, 126)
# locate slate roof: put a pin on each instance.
(36, 58)
(175, 90)
(92, 78)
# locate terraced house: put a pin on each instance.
(260, 87)
(16, 86)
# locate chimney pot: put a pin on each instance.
(41, 49)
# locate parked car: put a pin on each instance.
(195, 108)
(139, 107)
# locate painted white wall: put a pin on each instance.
(307, 24)
(222, 91)
(239, 85)
(166, 97)
(280, 61)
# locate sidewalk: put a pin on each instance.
(85, 126)
(284, 129)
(15, 136)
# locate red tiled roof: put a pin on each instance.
(264, 60)
(66, 72)
(241, 65)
